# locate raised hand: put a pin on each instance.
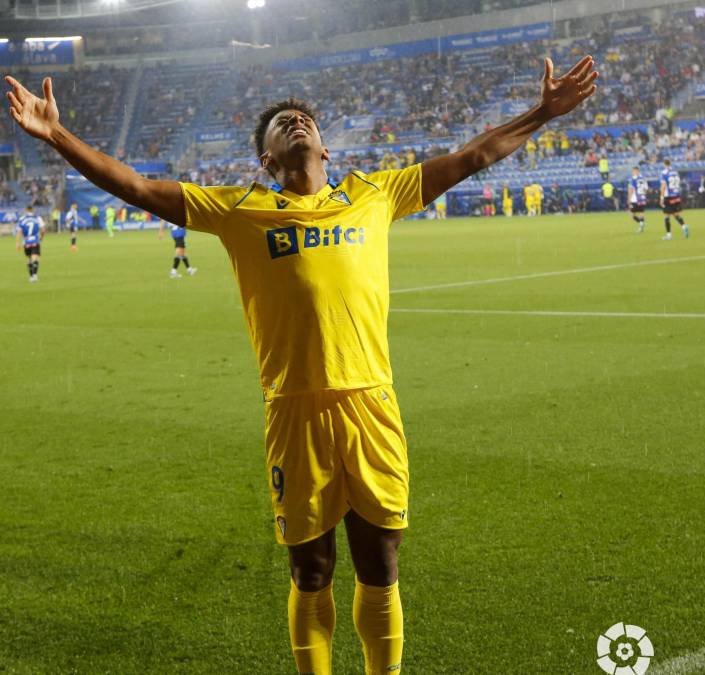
(38, 117)
(559, 96)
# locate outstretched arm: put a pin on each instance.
(558, 97)
(40, 118)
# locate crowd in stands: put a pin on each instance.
(442, 95)
(40, 191)
(641, 76)
(91, 101)
(5, 133)
(430, 95)
(638, 79)
(649, 146)
(7, 194)
(37, 191)
(168, 104)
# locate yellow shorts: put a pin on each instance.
(330, 451)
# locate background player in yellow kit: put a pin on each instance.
(529, 202)
(440, 204)
(311, 261)
(507, 200)
(538, 198)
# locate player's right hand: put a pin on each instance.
(38, 117)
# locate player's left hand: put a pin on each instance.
(561, 95)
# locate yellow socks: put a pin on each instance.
(378, 619)
(380, 624)
(311, 625)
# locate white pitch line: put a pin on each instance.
(688, 664)
(541, 275)
(526, 312)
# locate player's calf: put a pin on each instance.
(681, 222)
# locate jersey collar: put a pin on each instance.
(275, 187)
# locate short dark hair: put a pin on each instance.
(272, 111)
(667, 162)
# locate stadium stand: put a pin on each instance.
(199, 118)
(431, 96)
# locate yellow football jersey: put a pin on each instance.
(313, 274)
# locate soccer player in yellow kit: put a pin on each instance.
(311, 260)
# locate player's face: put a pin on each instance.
(291, 133)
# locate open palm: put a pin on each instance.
(559, 96)
(35, 115)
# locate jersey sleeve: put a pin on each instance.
(402, 188)
(206, 208)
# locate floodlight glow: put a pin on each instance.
(3, 41)
(53, 39)
(255, 4)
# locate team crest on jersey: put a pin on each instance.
(281, 522)
(281, 202)
(340, 196)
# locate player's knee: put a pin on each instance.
(381, 569)
(312, 569)
(314, 575)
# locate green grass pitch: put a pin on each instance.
(557, 453)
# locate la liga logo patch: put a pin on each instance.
(624, 649)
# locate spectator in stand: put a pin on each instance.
(95, 217)
(603, 166)
(609, 197)
(507, 201)
(410, 157)
(531, 152)
(55, 219)
(488, 208)
(591, 158)
(554, 202)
